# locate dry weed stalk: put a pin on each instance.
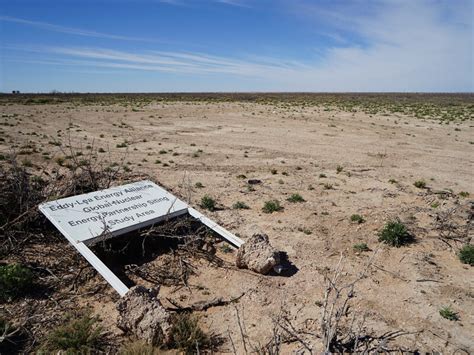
(453, 228)
(336, 307)
(342, 332)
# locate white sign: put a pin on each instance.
(85, 219)
(117, 210)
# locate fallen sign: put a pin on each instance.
(89, 218)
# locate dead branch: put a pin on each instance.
(203, 305)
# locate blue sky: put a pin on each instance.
(236, 45)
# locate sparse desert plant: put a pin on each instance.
(294, 198)
(27, 163)
(393, 181)
(15, 280)
(274, 171)
(361, 247)
(357, 218)
(305, 230)
(395, 233)
(187, 335)
(198, 185)
(226, 248)
(328, 186)
(464, 194)
(139, 348)
(272, 206)
(60, 160)
(466, 254)
(322, 176)
(448, 313)
(339, 169)
(79, 335)
(208, 203)
(239, 205)
(421, 184)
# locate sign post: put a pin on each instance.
(86, 219)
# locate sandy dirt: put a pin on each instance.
(294, 150)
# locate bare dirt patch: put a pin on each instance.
(342, 161)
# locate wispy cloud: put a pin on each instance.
(162, 61)
(236, 3)
(71, 30)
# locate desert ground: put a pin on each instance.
(342, 159)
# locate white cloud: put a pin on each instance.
(407, 46)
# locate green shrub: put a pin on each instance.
(186, 334)
(15, 280)
(339, 169)
(208, 203)
(322, 176)
(360, 247)
(357, 218)
(395, 234)
(272, 206)
(239, 205)
(393, 181)
(464, 194)
(421, 184)
(448, 313)
(198, 185)
(79, 335)
(294, 198)
(466, 254)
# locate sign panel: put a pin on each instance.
(87, 218)
(117, 210)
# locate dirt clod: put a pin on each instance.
(141, 314)
(257, 254)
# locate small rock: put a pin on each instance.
(254, 181)
(141, 314)
(257, 254)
